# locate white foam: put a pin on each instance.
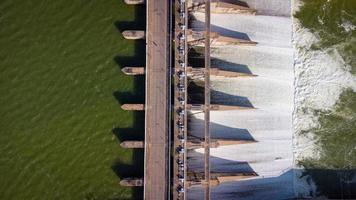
(320, 77)
(269, 123)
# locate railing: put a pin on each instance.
(180, 100)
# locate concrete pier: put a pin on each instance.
(246, 113)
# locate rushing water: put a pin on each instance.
(58, 84)
(330, 60)
(334, 23)
(266, 97)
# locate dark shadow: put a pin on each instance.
(229, 66)
(128, 97)
(197, 25)
(329, 183)
(137, 95)
(135, 170)
(196, 59)
(236, 2)
(278, 187)
(218, 131)
(196, 96)
(124, 134)
(138, 23)
(335, 184)
(227, 99)
(137, 61)
(218, 165)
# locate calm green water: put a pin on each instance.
(57, 104)
(334, 173)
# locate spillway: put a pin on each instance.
(270, 93)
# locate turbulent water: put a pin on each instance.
(267, 97)
(325, 98)
(61, 87)
(323, 160)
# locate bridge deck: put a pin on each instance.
(157, 106)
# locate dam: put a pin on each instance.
(224, 128)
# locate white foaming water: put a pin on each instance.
(269, 97)
(320, 78)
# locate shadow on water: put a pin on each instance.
(335, 184)
(218, 131)
(229, 66)
(199, 26)
(218, 165)
(223, 98)
(136, 131)
(329, 183)
(196, 59)
(196, 96)
(138, 23)
(278, 187)
(236, 2)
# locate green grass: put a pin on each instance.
(59, 92)
(325, 18)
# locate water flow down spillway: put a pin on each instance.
(270, 94)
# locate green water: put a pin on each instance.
(59, 91)
(334, 172)
(338, 134)
(332, 21)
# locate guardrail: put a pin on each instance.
(180, 100)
